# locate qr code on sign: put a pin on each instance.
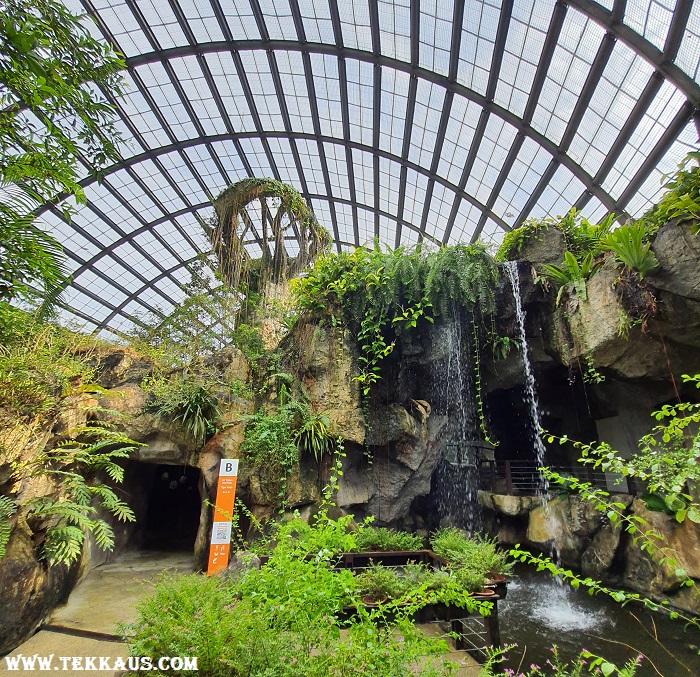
(221, 532)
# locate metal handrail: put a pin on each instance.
(523, 477)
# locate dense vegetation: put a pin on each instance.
(380, 294)
(53, 116)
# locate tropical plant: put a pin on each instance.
(378, 295)
(377, 581)
(187, 402)
(477, 554)
(52, 72)
(682, 199)
(313, 435)
(76, 465)
(370, 539)
(629, 246)
(571, 274)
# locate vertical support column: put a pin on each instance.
(492, 629)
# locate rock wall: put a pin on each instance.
(583, 538)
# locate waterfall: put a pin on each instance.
(530, 392)
(456, 481)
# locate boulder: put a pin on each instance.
(677, 249)
(565, 523)
(679, 545)
(510, 506)
(600, 554)
(30, 589)
(548, 246)
(328, 364)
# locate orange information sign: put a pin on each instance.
(223, 512)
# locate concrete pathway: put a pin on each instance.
(108, 595)
(86, 627)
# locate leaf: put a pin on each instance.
(607, 668)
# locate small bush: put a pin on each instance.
(379, 538)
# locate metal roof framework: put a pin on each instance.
(441, 121)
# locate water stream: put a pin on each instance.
(511, 268)
(456, 482)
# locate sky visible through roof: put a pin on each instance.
(413, 120)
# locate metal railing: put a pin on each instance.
(517, 477)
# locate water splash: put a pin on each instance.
(546, 604)
(511, 268)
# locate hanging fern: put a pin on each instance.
(7, 508)
(379, 294)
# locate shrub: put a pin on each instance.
(379, 538)
(186, 401)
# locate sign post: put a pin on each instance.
(223, 511)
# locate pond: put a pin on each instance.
(539, 612)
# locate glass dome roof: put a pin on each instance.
(413, 120)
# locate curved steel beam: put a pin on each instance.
(126, 239)
(380, 60)
(197, 141)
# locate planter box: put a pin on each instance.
(473, 633)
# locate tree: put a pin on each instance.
(53, 115)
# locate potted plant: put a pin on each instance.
(377, 584)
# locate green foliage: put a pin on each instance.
(571, 275)
(378, 581)
(275, 437)
(472, 558)
(682, 201)
(285, 618)
(54, 117)
(584, 663)
(7, 508)
(245, 629)
(628, 244)
(370, 539)
(188, 402)
(378, 294)
(77, 464)
(248, 339)
(313, 436)
(40, 364)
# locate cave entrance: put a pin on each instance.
(172, 510)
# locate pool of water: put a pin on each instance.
(539, 612)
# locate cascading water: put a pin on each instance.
(457, 476)
(511, 268)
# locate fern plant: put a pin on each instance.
(7, 508)
(571, 274)
(630, 249)
(76, 464)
